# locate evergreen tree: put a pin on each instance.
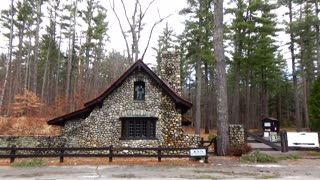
(314, 104)
(197, 37)
(166, 42)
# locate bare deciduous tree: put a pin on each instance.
(136, 26)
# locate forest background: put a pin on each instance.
(57, 54)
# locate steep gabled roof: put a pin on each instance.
(78, 114)
(140, 66)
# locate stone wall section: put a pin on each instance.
(236, 134)
(32, 141)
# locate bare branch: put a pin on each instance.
(125, 12)
(140, 22)
(144, 13)
(151, 31)
(122, 31)
(158, 13)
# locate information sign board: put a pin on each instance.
(198, 152)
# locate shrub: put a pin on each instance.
(211, 136)
(29, 163)
(257, 157)
(239, 150)
(290, 156)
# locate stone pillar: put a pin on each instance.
(236, 134)
(170, 70)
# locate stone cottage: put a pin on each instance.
(139, 109)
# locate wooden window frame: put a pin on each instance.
(135, 128)
(135, 95)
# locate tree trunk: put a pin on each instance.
(317, 35)
(206, 100)
(71, 56)
(44, 78)
(8, 65)
(298, 120)
(221, 81)
(198, 97)
(236, 94)
(36, 49)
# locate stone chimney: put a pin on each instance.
(170, 70)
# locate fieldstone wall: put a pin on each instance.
(236, 134)
(32, 141)
(103, 126)
(170, 70)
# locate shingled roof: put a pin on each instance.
(98, 101)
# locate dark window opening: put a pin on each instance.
(139, 90)
(138, 128)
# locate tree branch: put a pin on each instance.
(144, 13)
(125, 13)
(122, 31)
(150, 35)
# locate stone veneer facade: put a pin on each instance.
(236, 134)
(103, 126)
(170, 70)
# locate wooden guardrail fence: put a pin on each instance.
(108, 152)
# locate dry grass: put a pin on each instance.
(26, 126)
(190, 130)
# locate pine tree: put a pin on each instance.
(314, 104)
(197, 38)
(7, 21)
(166, 42)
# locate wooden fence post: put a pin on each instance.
(12, 153)
(215, 146)
(284, 141)
(61, 155)
(202, 142)
(159, 154)
(206, 157)
(111, 153)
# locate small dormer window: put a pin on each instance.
(139, 90)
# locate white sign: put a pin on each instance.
(198, 152)
(303, 139)
(267, 124)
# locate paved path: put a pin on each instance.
(290, 169)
